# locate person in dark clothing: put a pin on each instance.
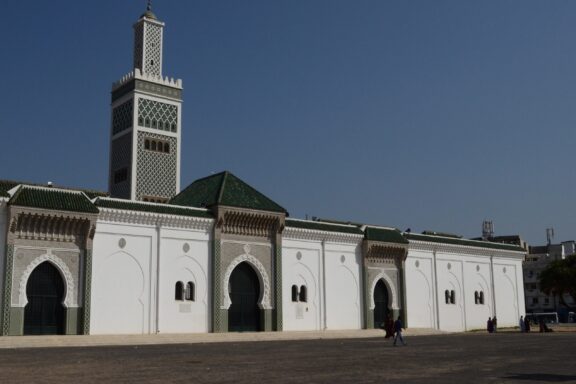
(495, 324)
(389, 327)
(526, 324)
(398, 326)
(490, 325)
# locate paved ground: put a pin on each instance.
(455, 358)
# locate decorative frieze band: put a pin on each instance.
(151, 218)
(249, 224)
(317, 235)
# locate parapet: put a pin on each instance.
(136, 74)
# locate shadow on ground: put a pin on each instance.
(548, 377)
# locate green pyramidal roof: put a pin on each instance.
(224, 189)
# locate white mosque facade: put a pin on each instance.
(219, 256)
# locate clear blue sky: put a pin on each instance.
(422, 114)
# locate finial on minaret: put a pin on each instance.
(149, 14)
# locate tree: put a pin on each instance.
(559, 279)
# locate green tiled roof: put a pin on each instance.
(387, 235)
(55, 199)
(465, 242)
(154, 208)
(321, 226)
(224, 189)
(5, 186)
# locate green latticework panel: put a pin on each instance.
(87, 292)
(368, 314)
(7, 289)
(278, 287)
(220, 323)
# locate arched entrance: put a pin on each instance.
(381, 311)
(244, 314)
(44, 313)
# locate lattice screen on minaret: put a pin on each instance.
(153, 64)
(138, 45)
(156, 172)
(122, 117)
(153, 114)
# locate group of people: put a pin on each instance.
(394, 329)
(525, 325)
(492, 324)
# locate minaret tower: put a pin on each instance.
(146, 122)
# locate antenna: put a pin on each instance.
(549, 235)
(487, 229)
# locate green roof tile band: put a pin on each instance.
(152, 208)
(55, 199)
(320, 226)
(224, 189)
(386, 235)
(464, 242)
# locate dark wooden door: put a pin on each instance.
(244, 314)
(381, 311)
(44, 313)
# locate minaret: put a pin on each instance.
(146, 122)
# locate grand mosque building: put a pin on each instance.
(218, 256)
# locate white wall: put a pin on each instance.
(477, 278)
(343, 286)
(185, 263)
(301, 265)
(420, 303)
(449, 275)
(509, 289)
(430, 273)
(122, 280)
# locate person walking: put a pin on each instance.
(526, 324)
(522, 324)
(495, 324)
(398, 326)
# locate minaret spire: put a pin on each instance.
(149, 6)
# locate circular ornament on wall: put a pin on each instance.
(477, 268)
(186, 247)
(122, 243)
(342, 258)
(417, 263)
(449, 266)
(298, 255)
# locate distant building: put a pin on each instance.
(538, 258)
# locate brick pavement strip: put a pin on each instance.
(508, 357)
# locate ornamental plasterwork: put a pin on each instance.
(151, 218)
(264, 301)
(70, 299)
(464, 249)
(390, 286)
(317, 235)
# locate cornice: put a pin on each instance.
(152, 218)
(317, 235)
(463, 249)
